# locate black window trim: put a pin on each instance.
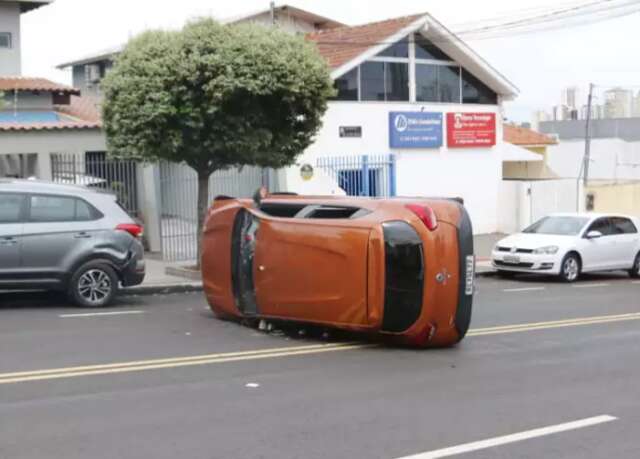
(97, 215)
(22, 216)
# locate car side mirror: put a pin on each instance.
(594, 235)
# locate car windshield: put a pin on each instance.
(562, 226)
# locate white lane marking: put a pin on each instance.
(527, 289)
(499, 441)
(100, 314)
(591, 285)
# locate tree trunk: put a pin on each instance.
(203, 207)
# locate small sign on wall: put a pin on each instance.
(467, 130)
(350, 131)
(415, 130)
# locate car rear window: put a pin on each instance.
(50, 209)
(11, 207)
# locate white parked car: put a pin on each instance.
(567, 245)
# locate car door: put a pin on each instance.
(627, 240)
(56, 230)
(597, 253)
(312, 269)
(12, 206)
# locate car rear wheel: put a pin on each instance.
(570, 268)
(635, 271)
(93, 285)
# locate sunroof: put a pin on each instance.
(28, 117)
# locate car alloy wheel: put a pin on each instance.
(570, 268)
(94, 286)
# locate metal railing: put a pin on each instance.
(95, 170)
(368, 175)
(179, 197)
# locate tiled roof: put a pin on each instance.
(340, 45)
(522, 136)
(82, 113)
(9, 84)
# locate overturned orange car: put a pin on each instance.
(402, 267)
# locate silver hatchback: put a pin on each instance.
(67, 238)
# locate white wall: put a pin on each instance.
(10, 64)
(28, 101)
(474, 174)
(611, 159)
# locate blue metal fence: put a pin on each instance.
(368, 175)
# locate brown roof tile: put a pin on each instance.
(8, 84)
(522, 136)
(342, 44)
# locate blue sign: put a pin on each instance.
(415, 130)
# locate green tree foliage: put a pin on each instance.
(215, 97)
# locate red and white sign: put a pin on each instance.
(466, 130)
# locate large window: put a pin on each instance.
(5, 40)
(386, 77)
(437, 83)
(385, 81)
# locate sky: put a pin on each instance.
(539, 64)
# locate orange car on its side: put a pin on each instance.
(398, 267)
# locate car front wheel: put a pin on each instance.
(93, 285)
(570, 268)
(635, 271)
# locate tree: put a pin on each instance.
(215, 97)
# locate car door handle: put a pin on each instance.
(8, 241)
(82, 235)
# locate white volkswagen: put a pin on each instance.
(567, 245)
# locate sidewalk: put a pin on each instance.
(483, 245)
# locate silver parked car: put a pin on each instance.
(67, 238)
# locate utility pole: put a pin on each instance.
(587, 141)
(272, 7)
(584, 167)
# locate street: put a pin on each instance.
(158, 376)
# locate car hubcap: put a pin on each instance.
(94, 286)
(571, 269)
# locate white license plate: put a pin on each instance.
(470, 274)
(511, 259)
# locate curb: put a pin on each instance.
(162, 289)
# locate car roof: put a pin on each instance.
(590, 215)
(42, 186)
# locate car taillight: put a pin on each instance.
(426, 214)
(132, 228)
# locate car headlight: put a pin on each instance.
(549, 250)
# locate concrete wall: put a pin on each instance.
(611, 159)
(10, 59)
(474, 174)
(285, 22)
(43, 143)
(616, 198)
(623, 128)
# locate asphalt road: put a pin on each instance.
(158, 376)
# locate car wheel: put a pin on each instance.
(570, 268)
(93, 285)
(635, 271)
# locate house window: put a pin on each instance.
(425, 49)
(384, 81)
(437, 83)
(5, 40)
(347, 86)
(400, 50)
(475, 91)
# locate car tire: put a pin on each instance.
(635, 271)
(570, 268)
(93, 285)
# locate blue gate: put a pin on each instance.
(368, 175)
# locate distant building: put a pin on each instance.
(618, 103)
(570, 97)
(636, 105)
(561, 113)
